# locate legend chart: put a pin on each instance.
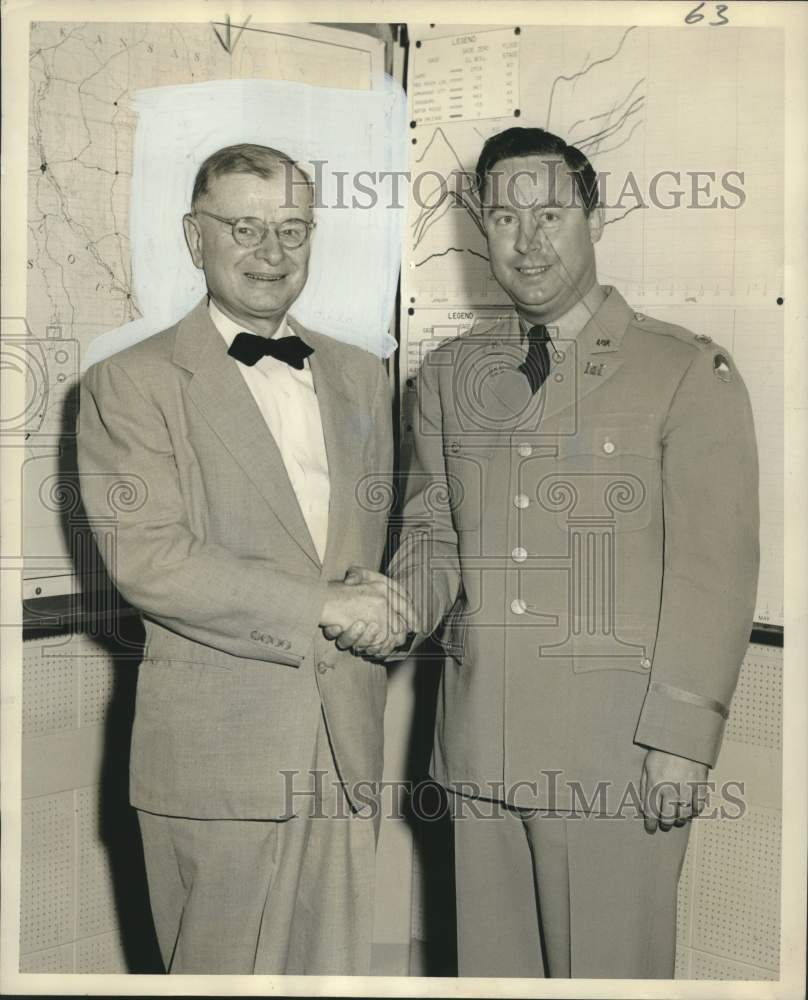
(466, 77)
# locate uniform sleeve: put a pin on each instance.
(190, 585)
(709, 584)
(426, 563)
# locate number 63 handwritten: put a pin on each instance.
(694, 16)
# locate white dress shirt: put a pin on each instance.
(288, 404)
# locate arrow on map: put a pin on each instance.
(228, 43)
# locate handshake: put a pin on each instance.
(368, 613)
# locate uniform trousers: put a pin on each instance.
(543, 894)
(292, 896)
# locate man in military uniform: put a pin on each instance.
(583, 505)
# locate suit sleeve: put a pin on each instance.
(710, 500)
(427, 563)
(192, 586)
(382, 423)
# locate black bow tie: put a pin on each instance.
(249, 348)
(536, 365)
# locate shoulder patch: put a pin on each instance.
(702, 338)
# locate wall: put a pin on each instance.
(83, 886)
(729, 892)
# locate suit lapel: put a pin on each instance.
(342, 431)
(224, 399)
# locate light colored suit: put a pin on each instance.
(595, 548)
(211, 546)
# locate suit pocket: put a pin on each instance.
(210, 661)
(177, 702)
(165, 646)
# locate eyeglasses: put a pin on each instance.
(251, 233)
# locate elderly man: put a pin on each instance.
(250, 436)
(583, 506)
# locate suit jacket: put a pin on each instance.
(211, 546)
(596, 547)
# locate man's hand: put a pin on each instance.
(368, 613)
(669, 790)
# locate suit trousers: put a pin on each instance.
(546, 894)
(291, 896)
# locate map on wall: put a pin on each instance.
(82, 124)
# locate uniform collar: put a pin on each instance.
(604, 332)
(567, 327)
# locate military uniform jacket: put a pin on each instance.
(201, 531)
(595, 547)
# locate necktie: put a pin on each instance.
(536, 365)
(249, 348)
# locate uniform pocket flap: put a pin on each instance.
(611, 439)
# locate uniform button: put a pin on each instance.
(519, 554)
(525, 450)
(521, 501)
(645, 663)
(322, 667)
(608, 447)
(558, 377)
(518, 606)
(639, 317)
(561, 356)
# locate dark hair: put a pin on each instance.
(244, 158)
(536, 141)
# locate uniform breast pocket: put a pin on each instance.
(466, 473)
(606, 477)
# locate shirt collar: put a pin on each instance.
(566, 327)
(229, 329)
